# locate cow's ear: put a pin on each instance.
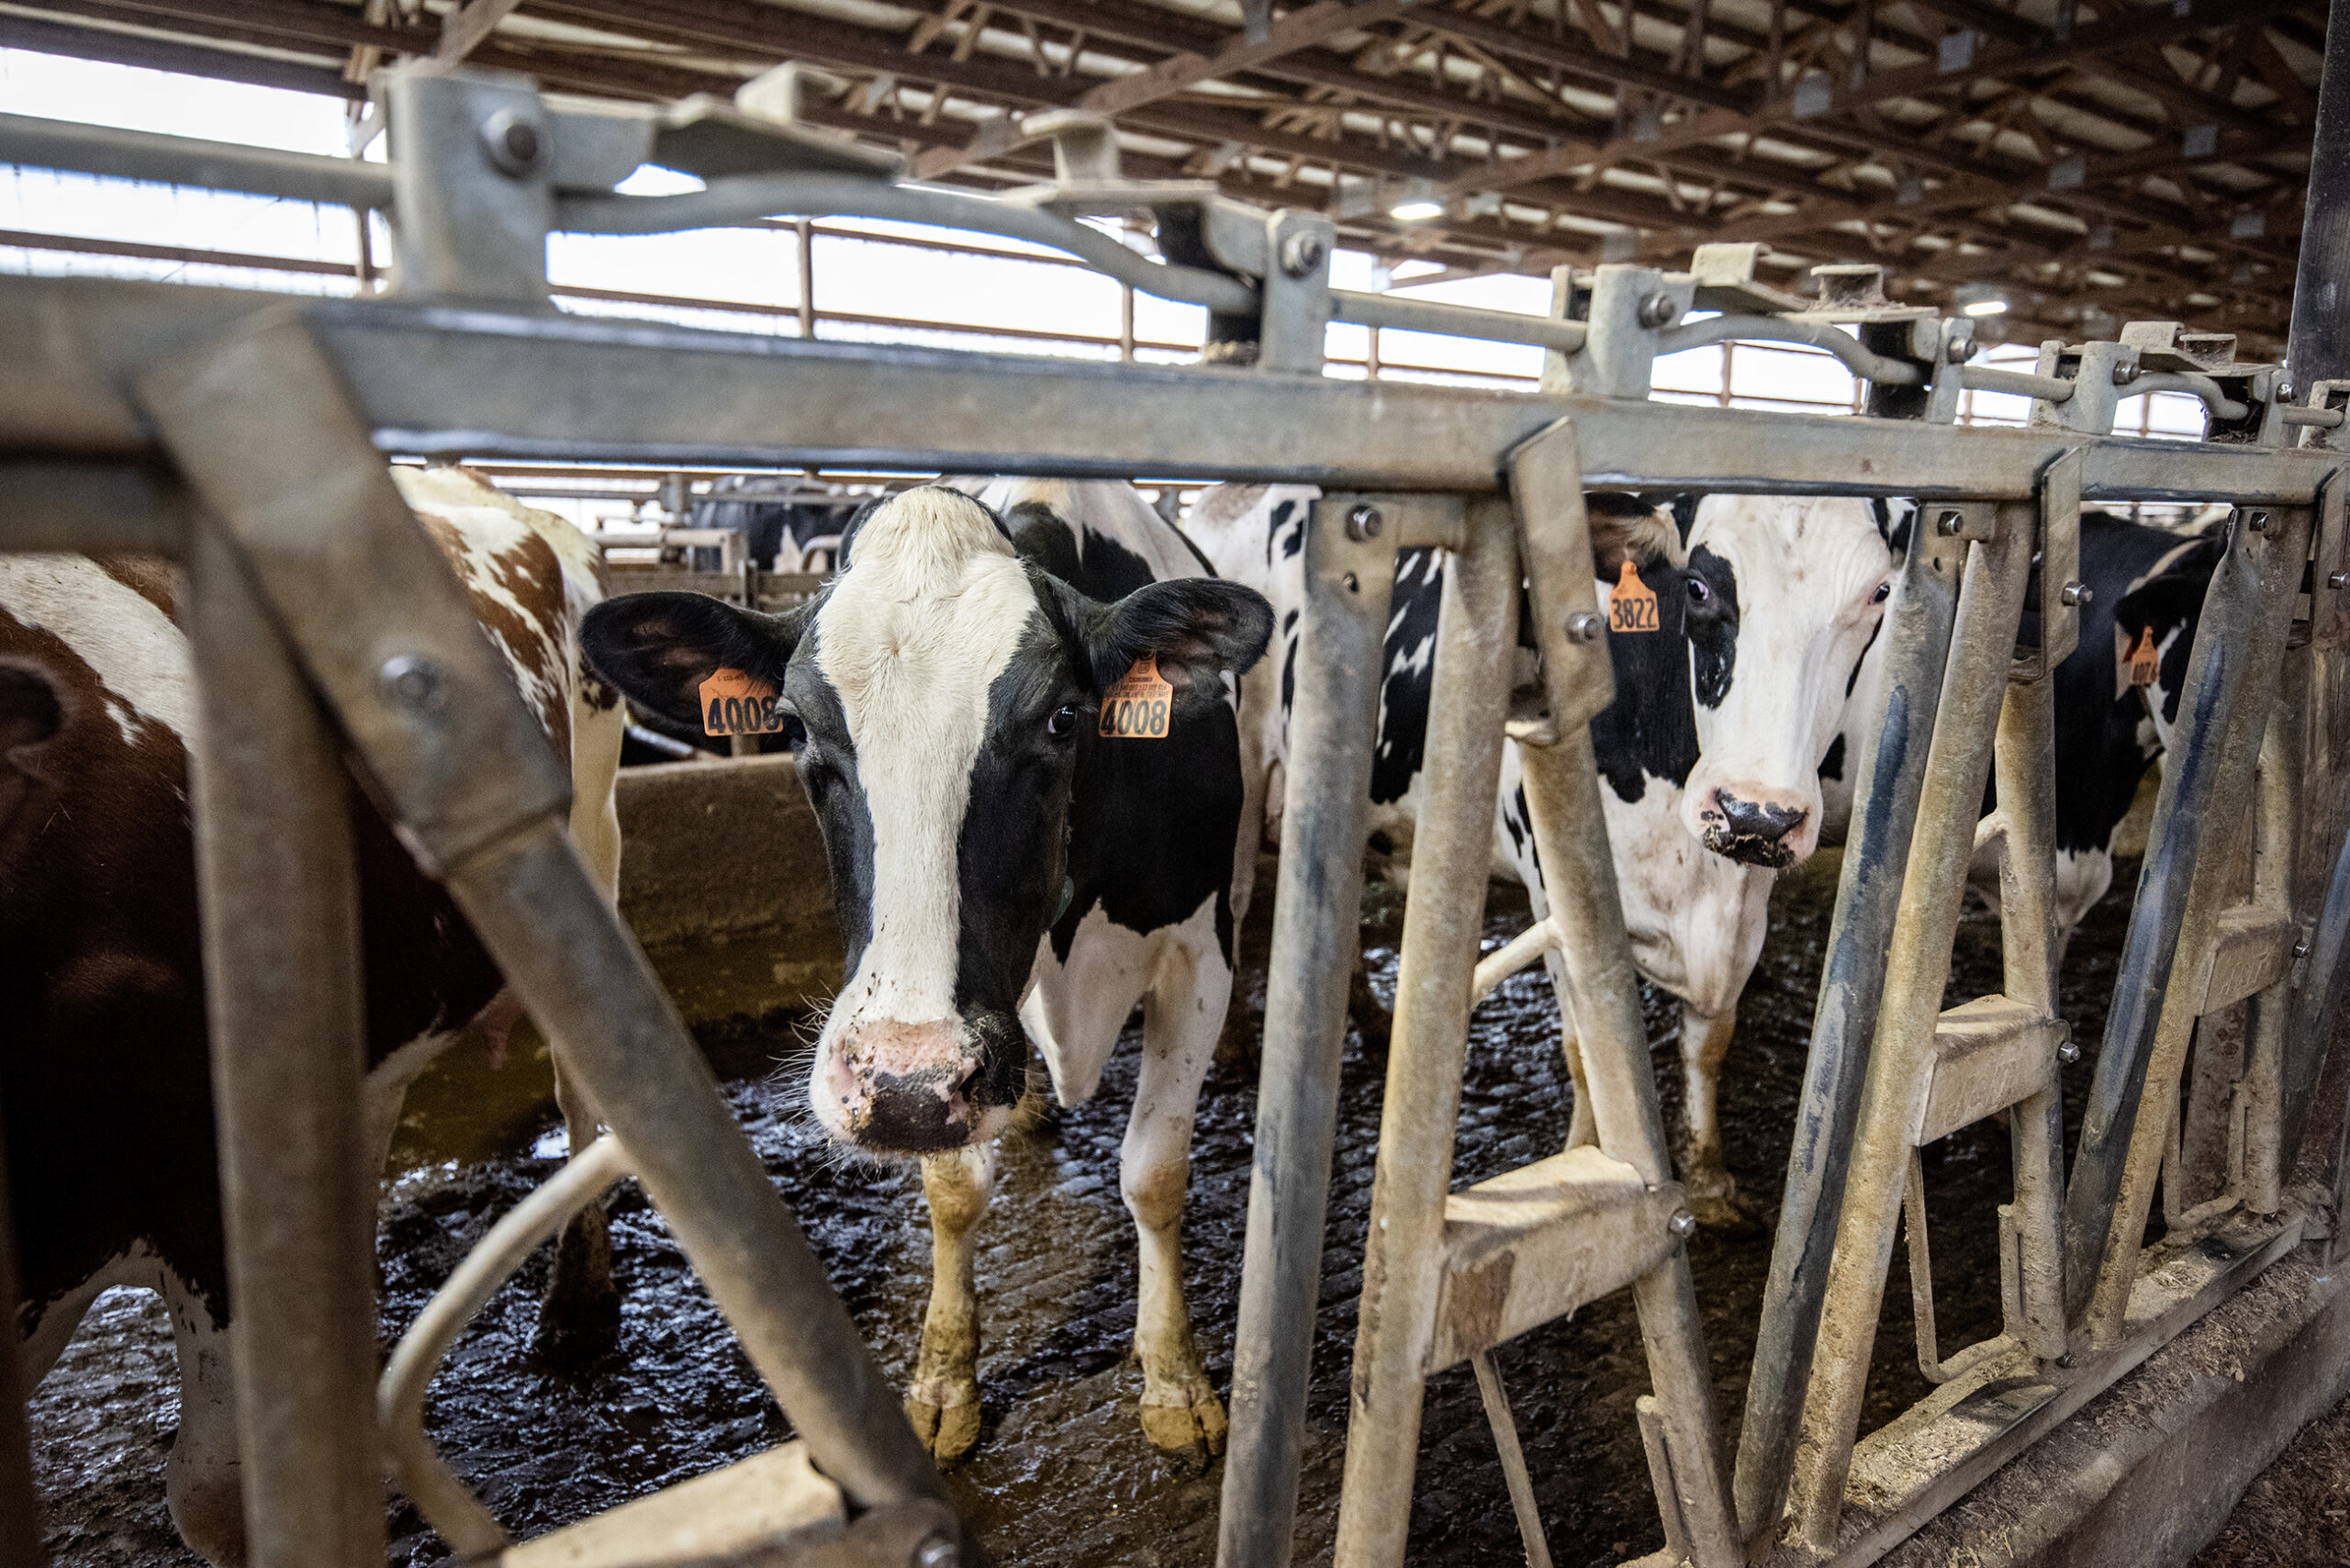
(660, 647)
(2174, 596)
(1197, 628)
(1627, 528)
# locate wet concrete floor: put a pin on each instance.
(1063, 1475)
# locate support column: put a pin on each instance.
(1317, 914)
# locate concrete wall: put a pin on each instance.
(722, 876)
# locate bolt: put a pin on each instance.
(1658, 310)
(1682, 1225)
(2337, 581)
(2076, 593)
(2256, 521)
(936, 1551)
(2124, 373)
(1947, 525)
(1363, 523)
(2068, 1053)
(1302, 253)
(1960, 347)
(1582, 626)
(516, 146)
(2301, 948)
(413, 682)
(1353, 586)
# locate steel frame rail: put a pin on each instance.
(244, 434)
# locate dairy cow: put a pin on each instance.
(104, 1075)
(1735, 727)
(1710, 750)
(1021, 748)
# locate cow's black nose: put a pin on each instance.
(913, 1114)
(1754, 832)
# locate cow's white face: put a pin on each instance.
(949, 692)
(1784, 596)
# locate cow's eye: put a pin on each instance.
(1699, 593)
(1884, 592)
(1062, 720)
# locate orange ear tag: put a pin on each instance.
(735, 703)
(2142, 662)
(1631, 604)
(1135, 707)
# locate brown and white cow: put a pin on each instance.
(103, 1054)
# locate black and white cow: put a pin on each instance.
(1713, 739)
(1005, 869)
(104, 1070)
(1732, 725)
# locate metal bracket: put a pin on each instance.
(1630, 305)
(2333, 396)
(1297, 293)
(2097, 371)
(2056, 589)
(1554, 539)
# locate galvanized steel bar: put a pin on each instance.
(261, 428)
(1916, 965)
(2150, 954)
(2024, 768)
(2231, 682)
(280, 902)
(1894, 741)
(486, 383)
(1316, 915)
(1443, 922)
(1579, 873)
(41, 143)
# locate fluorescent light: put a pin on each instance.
(1987, 307)
(1416, 209)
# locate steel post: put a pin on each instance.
(261, 429)
(280, 903)
(2024, 767)
(2231, 682)
(1451, 857)
(1892, 769)
(1916, 965)
(2319, 344)
(1579, 871)
(1317, 914)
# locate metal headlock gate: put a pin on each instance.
(244, 435)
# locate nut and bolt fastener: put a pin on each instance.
(2123, 375)
(1948, 524)
(1301, 253)
(1657, 310)
(414, 683)
(1363, 523)
(1584, 626)
(516, 146)
(2337, 581)
(1682, 1225)
(936, 1551)
(2256, 520)
(2068, 1053)
(2301, 948)
(2076, 593)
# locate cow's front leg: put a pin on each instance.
(1180, 1412)
(944, 1403)
(1713, 1195)
(202, 1480)
(579, 1317)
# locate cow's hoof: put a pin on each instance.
(948, 1430)
(1194, 1427)
(1714, 1198)
(579, 1317)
